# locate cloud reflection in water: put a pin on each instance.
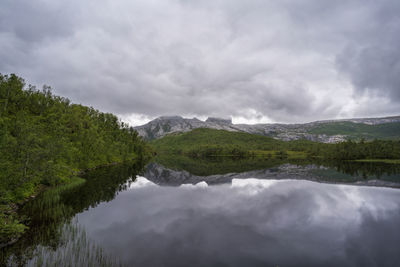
(250, 222)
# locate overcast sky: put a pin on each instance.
(252, 60)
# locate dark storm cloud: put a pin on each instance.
(31, 22)
(372, 58)
(281, 60)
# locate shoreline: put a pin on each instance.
(10, 212)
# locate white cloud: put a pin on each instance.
(135, 119)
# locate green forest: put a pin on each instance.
(45, 140)
(210, 142)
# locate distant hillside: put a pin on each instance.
(211, 137)
(358, 130)
(203, 142)
(332, 131)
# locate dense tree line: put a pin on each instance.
(216, 150)
(377, 149)
(45, 139)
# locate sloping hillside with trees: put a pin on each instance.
(46, 140)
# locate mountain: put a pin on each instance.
(329, 131)
(174, 124)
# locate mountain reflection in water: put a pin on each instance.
(250, 222)
(352, 173)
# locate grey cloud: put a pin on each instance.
(371, 58)
(374, 68)
(32, 22)
(280, 59)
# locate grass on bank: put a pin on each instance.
(11, 226)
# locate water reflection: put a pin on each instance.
(250, 223)
(273, 219)
(216, 171)
(225, 165)
(51, 211)
(73, 249)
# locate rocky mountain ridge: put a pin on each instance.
(313, 131)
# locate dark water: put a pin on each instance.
(179, 212)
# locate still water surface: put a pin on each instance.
(284, 215)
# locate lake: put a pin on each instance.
(220, 212)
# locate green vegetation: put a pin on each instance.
(45, 140)
(357, 131)
(203, 142)
(49, 213)
(182, 142)
(209, 142)
(375, 150)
